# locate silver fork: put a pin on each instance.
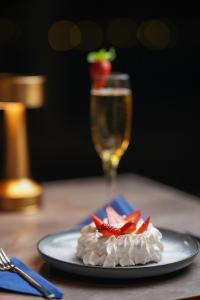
(7, 265)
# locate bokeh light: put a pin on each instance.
(64, 35)
(9, 31)
(91, 35)
(122, 33)
(155, 34)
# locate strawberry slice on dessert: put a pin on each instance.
(128, 227)
(144, 226)
(113, 217)
(108, 230)
(98, 222)
(100, 66)
(134, 216)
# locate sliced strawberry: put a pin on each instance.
(128, 227)
(134, 216)
(113, 217)
(108, 230)
(98, 222)
(144, 226)
(98, 84)
(100, 69)
(99, 72)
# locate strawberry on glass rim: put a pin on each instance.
(118, 225)
(100, 66)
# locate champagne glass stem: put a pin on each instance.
(110, 171)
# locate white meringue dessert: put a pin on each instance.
(106, 243)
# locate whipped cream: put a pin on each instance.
(124, 250)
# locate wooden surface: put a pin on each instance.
(67, 202)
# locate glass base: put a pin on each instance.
(22, 195)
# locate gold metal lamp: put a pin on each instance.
(18, 192)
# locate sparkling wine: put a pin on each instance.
(111, 114)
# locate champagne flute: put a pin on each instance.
(111, 120)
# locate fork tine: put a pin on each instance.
(4, 262)
(1, 266)
(5, 256)
(1, 262)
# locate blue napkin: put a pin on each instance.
(11, 281)
(118, 203)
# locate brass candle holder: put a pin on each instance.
(18, 192)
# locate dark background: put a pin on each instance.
(161, 54)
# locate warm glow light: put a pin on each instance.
(91, 35)
(154, 34)
(11, 106)
(122, 33)
(21, 188)
(64, 35)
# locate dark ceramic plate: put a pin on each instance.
(58, 250)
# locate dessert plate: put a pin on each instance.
(59, 249)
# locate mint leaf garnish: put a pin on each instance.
(101, 55)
